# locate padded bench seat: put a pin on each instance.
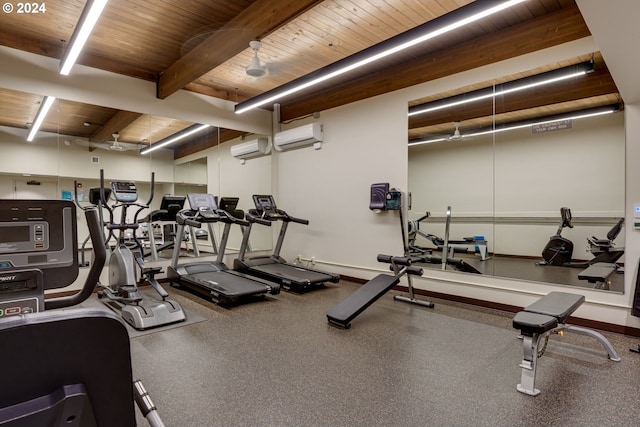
(598, 272)
(557, 304)
(542, 318)
(534, 323)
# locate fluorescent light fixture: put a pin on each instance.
(542, 79)
(449, 22)
(174, 138)
(574, 115)
(45, 106)
(87, 21)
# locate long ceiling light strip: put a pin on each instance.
(175, 138)
(87, 21)
(45, 106)
(420, 34)
(575, 115)
(505, 88)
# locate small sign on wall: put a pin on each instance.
(95, 160)
(552, 126)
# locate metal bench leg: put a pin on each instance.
(528, 377)
(611, 352)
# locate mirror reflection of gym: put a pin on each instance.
(508, 188)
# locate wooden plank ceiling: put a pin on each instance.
(203, 46)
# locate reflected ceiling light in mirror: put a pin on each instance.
(432, 29)
(87, 21)
(45, 106)
(542, 79)
(175, 138)
(574, 115)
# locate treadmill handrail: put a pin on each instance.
(193, 217)
(252, 216)
(227, 217)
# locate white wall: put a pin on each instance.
(331, 187)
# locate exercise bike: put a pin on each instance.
(122, 294)
(559, 250)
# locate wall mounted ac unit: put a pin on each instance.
(301, 136)
(251, 149)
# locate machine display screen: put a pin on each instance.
(202, 201)
(14, 234)
(264, 202)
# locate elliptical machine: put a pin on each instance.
(67, 367)
(559, 250)
(122, 294)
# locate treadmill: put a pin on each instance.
(273, 267)
(213, 279)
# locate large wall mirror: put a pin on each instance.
(499, 169)
(62, 152)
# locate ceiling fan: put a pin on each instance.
(255, 69)
(115, 145)
(456, 136)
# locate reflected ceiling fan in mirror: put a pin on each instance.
(115, 145)
(456, 136)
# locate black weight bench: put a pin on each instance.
(348, 309)
(542, 318)
(598, 274)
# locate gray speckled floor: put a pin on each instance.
(278, 363)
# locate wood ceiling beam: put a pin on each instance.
(116, 124)
(535, 34)
(210, 139)
(253, 23)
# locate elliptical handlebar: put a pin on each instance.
(100, 256)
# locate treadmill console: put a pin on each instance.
(204, 204)
(230, 205)
(125, 192)
(266, 206)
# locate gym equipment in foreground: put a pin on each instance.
(213, 279)
(273, 267)
(67, 367)
(122, 294)
(349, 308)
(94, 199)
(544, 317)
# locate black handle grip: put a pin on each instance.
(398, 260)
(99, 259)
(192, 222)
(416, 271)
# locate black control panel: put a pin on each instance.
(39, 235)
(266, 207)
(125, 192)
(204, 204)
